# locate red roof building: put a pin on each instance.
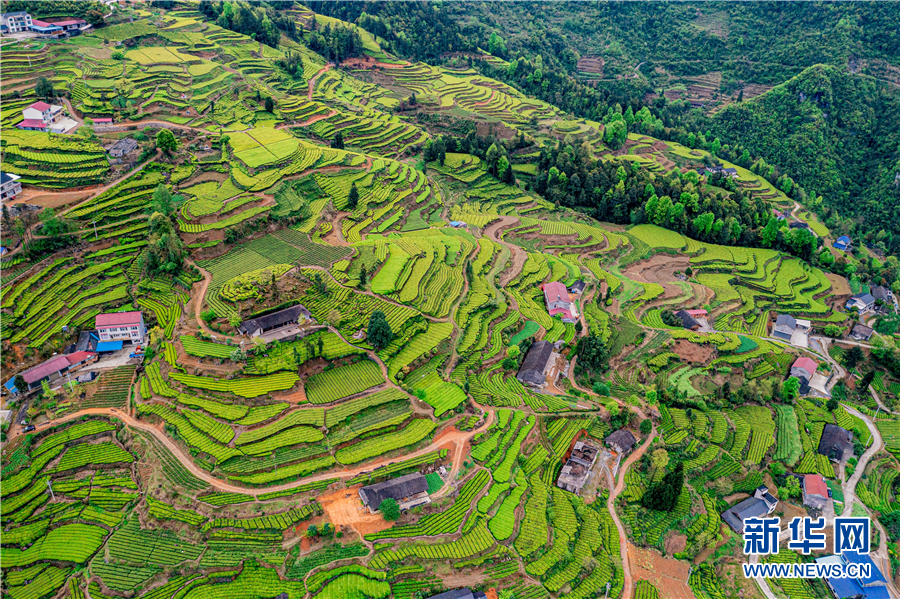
(32, 125)
(79, 357)
(815, 491)
(128, 326)
(804, 368)
(42, 106)
(557, 298)
(703, 313)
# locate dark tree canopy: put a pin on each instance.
(390, 509)
(379, 332)
(663, 495)
(165, 141)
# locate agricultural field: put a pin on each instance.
(353, 266)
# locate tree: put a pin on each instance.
(833, 330)
(663, 495)
(363, 276)
(163, 201)
(312, 531)
(790, 391)
(237, 355)
(592, 354)
(379, 332)
(669, 318)
(601, 388)
(513, 351)
(44, 89)
(208, 316)
(390, 509)
(270, 105)
(865, 382)
(791, 488)
(854, 357)
(21, 385)
(646, 426)
(832, 404)
(353, 197)
(338, 142)
(165, 141)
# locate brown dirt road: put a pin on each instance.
(453, 436)
(628, 585)
(312, 81)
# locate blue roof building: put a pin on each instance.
(842, 243)
(872, 587)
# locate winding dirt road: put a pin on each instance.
(458, 438)
(627, 585)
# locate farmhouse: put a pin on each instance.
(575, 473)
(275, 321)
(804, 368)
(815, 491)
(861, 301)
(123, 147)
(836, 443)
(861, 332)
(873, 586)
(49, 30)
(785, 325)
(120, 326)
(720, 170)
(881, 293)
(73, 27)
(798, 224)
(621, 441)
(577, 288)
(409, 491)
(15, 22)
(687, 321)
(537, 361)
(557, 299)
(761, 504)
(41, 116)
(10, 186)
(842, 243)
(52, 368)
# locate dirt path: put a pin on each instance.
(519, 256)
(453, 436)
(611, 506)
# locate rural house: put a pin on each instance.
(15, 22)
(861, 332)
(52, 368)
(761, 504)
(842, 243)
(123, 147)
(575, 473)
(10, 186)
(881, 293)
(621, 441)
(804, 368)
(120, 326)
(409, 491)
(861, 301)
(255, 327)
(785, 325)
(815, 491)
(836, 443)
(687, 321)
(537, 361)
(872, 587)
(577, 288)
(557, 298)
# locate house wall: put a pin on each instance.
(132, 332)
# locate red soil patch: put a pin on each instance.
(691, 352)
(669, 576)
(345, 509)
(658, 269)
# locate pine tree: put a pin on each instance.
(353, 198)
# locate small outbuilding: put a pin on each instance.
(123, 147)
(861, 332)
(785, 325)
(577, 288)
(687, 321)
(403, 489)
(574, 475)
(621, 441)
(255, 327)
(836, 443)
(536, 364)
(842, 243)
(815, 491)
(861, 301)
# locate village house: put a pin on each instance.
(574, 475)
(815, 491)
(15, 22)
(621, 441)
(463, 593)
(408, 491)
(843, 243)
(276, 321)
(123, 147)
(861, 301)
(10, 186)
(873, 586)
(42, 116)
(687, 320)
(836, 443)
(577, 288)
(861, 332)
(52, 368)
(557, 299)
(536, 364)
(882, 294)
(73, 27)
(119, 326)
(804, 368)
(761, 504)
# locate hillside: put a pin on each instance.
(838, 134)
(292, 313)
